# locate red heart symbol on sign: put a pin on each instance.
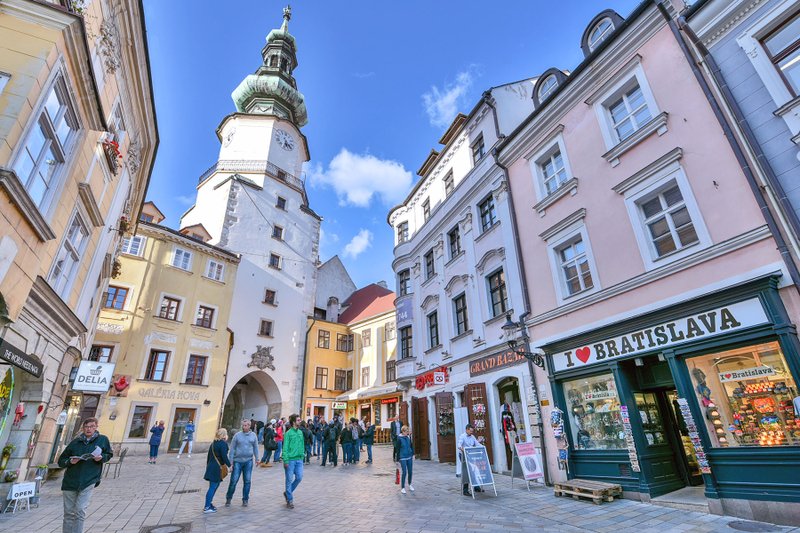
(583, 353)
(728, 376)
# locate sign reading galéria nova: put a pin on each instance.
(707, 324)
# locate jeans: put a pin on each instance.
(317, 446)
(360, 444)
(408, 468)
(369, 452)
(346, 452)
(183, 444)
(294, 475)
(278, 451)
(75, 504)
(212, 489)
(356, 451)
(308, 453)
(330, 452)
(267, 455)
(153, 451)
(245, 468)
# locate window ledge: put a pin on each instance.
(168, 320)
(179, 269)
(499, 317)
(265, 336)
(271, 304)
(429, 280)
(133, 256)
(657, 124)
(433, 349)
(221, 282)
(570, 186)
(194, 385)
(487, 231)
(455, 258)
(461, 336)
(203, 328)
(273, 267)
(16, 191)
(143, 380)
(788, 107)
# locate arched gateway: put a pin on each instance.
(255, 396)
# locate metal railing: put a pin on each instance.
(261, 166)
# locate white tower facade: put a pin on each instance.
(253, 202)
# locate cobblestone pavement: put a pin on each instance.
(350, 499)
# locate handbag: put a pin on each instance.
(223, 469)
(397, 476)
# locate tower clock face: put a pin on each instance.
(284, 140)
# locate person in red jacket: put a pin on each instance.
(279, 438)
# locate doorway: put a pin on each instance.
(422, 443)
(181, 418)
(319, 411)
(512, 422)
(366, 412)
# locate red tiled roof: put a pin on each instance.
(366, 302)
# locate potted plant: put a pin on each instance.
(11, 476)
(124, 225)
(8, 449)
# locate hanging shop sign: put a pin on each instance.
(746, 373)
(428, 378)
(18, 358)
(490, 363)
(339, 406)
(704, 325)
(694, 436)
(121, 383)
(93, 376)
(389, 400)
(633, 457)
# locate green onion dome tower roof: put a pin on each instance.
(272, 90)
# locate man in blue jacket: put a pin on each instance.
(83, 458)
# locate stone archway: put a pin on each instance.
(256, 396)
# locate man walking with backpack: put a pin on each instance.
(331, 436)
(294, 451)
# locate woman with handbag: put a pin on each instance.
(269, 444)
(217, 464)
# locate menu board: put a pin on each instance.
(629, 443)
(694, 436)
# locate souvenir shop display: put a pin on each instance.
(479, 421)
(446, 421)
(557, 423)
(594, 410)
(508, 425)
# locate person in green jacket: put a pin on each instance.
(83, 458)
(293, 453)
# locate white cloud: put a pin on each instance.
(185, 199)
(360, 242)
(358, 178)
(442, 105)
(362, 75)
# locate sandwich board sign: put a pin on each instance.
(478, 468)
(526, 463)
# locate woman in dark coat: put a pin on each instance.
(155, 441)
(217, 455)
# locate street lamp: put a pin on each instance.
(510, 331)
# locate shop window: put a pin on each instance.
(746, 396)
(652, 424)
(593, 409)
(391, 410)
(140, 422)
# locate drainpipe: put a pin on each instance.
(303, 378)
(225, 381)
(758, 194)
(525, 299)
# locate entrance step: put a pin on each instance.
(685, 499)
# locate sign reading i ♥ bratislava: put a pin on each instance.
(691, 328)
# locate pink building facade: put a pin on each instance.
(657, 286)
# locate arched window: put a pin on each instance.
(599, 33)
(284, 65)
(548, 86)
(273, 61)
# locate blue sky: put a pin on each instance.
(381, 80)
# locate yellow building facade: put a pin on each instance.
(328, 359)
(78, 136)
(164, 324)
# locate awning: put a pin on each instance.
(377, 391)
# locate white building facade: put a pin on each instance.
(458, 276)
(253, 202)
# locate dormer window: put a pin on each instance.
(599, 33)
(548, 86)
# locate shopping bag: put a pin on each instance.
(396, 476)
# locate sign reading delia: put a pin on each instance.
(497, 361)
(93, 376)
(711, 323)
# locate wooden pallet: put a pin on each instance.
(597, 491)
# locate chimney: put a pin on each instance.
(382, 283)
(332, 312)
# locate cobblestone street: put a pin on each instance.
(345, 499)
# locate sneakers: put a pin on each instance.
(286, 497)
(244, 503)
(209, 510)
(402, 491)
(290, 505)
(411, 487)
(227, 503)
(189, 456)
(179, 456)
(465, 490)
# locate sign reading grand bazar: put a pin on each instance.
(703, 325)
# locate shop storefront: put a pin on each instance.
(699, 394)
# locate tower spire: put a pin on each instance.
(272, 89)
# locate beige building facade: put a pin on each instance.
(78, 136)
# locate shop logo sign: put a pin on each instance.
(746, 373)
(711, 323)
(93, 376)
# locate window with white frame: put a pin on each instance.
(182, 259)
(433, 329)
(170, 308)
(275, 261)
(783, 48)
(454, 241)
(265, 328)
(667, 219)
(205, 316)
(628, 111)
(548, 86)
(430, 265)
(366, 338)
(498, 297)
(460, 313)
(426, 209)
(599, 33)
(215, 270)
(69, 255)
(277, 233)
(117, 126)
(4, 78)
(365, 376)
(552, 170)
(487, 213)
(574, 268)
(478, 149)
(449, 184)
(45, 149)
(133, 245)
